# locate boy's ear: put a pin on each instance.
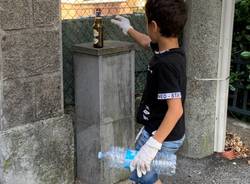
(155, 26)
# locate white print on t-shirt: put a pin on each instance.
(146, 113)
(145, 117)
(151, 71)
(165, 96)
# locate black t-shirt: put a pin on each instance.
(166, 79)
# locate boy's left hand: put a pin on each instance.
(145, 156)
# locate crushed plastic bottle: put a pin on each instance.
(118, 157)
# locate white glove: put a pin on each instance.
(122, 23)
(145, 156)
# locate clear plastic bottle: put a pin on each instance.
(118, 157)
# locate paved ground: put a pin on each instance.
(212, 170)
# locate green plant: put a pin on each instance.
(241, 35)
(241, 46)
(235, 79)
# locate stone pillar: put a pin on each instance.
(201, 41)
(36, 138)
(104, 102)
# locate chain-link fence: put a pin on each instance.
(74, 9)
(77, 24)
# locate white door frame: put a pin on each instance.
(225, 48)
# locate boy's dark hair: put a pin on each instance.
(170, 15)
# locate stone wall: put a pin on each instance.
(36, 138)
(1, 80)
(32, 61)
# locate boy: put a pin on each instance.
(161, 108)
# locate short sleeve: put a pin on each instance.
(168, 82)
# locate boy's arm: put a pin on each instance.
(175, 111)
(140, 38)
(169, 91)
(149, 150)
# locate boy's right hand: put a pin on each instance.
(122, 23)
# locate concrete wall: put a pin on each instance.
(104, 92)
(80, 31)
(1, 81)
(36, 139)
(201, 41)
